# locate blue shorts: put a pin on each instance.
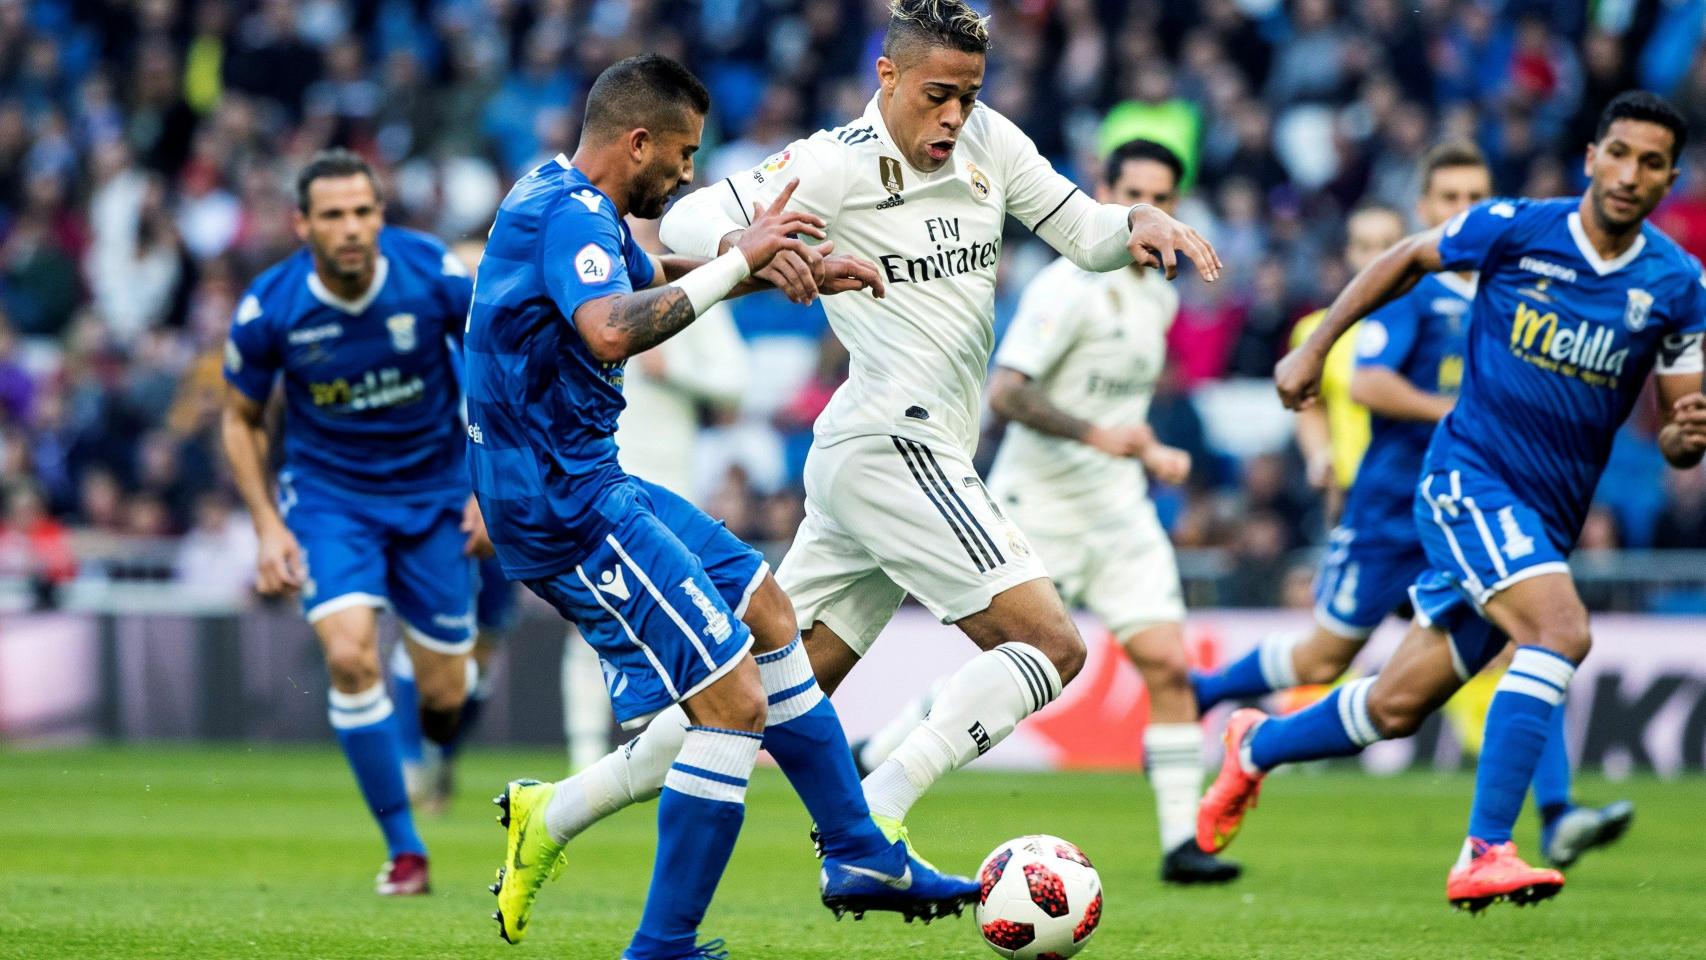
(494, 602)
(403, 553)
(1480, 538)
(1361, 583)
(660, 600)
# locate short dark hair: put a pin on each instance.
(1141, 149)
(1649, 107)
(649, 90)
(336, 162)
(935, 23)
(1451, 153)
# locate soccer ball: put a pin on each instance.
(1040, 899)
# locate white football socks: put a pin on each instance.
(632, 773)
(586, 703)
(980, 705)
(1172, 754)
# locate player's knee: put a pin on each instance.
(770, 617)
(1064, 648)
(353, 666)
(1163, 667)
(442, 693)
(1395, 712)
(749, 712)
(1567, 635)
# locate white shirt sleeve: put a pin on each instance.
(698, 222)
(1090, 234)
(1042, 332)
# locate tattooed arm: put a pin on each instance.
(617, 327)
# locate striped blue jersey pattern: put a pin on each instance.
(541, 408)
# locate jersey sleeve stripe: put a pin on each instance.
(738, 201)
(953, 523)
(1056, 210)
(955, 494)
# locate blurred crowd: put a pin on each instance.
(147, 149)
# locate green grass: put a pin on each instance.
(235, 853)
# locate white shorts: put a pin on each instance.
(886, 517)
(1124, 572)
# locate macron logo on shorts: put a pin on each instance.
(612, 582)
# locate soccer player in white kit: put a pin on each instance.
(1075, 375)
(921, 185)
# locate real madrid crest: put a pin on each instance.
(979, 182)
(402, 328)
(1639, 308)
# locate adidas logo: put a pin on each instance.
(612, 582)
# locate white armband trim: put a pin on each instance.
(709, 283)
(1680, 353)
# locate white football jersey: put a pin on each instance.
(919, 356)
(1095, 343)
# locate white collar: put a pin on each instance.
(322, 293)
(1601, 265)
(1456, 284)
(563, 162)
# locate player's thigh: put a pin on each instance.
(739, 572)
(924, 515)
(643, 601)
(1544, 611)
(429, 578)
(831, 579)
(343, 550)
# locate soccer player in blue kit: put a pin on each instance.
(1578, 301)
(678, 608)
(373, 497)
(1409, 361)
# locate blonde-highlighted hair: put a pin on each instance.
(937, 23)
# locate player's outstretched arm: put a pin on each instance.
(1390, 275)
(1387, 393)
(1021, 399)
(1682, 439)
(243, 431)
(621, 325)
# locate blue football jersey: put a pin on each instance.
(1560, 343)
(541, 408)
(370, 386)
(1420, 336)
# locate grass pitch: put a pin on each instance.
(266, 853)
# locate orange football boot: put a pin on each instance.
(1496, 873)
(1234, 791)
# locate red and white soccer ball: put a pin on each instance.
(1040, 899)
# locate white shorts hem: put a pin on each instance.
(751, 588)
(635, 723)
(1338, 627)
(449, 648)
(345, 601)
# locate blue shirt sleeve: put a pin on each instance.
(640, 271)
(585, 252)
(1472, 238)
(251, 353)
(456, 286)
(1386, 336)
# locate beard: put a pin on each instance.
(651, 194)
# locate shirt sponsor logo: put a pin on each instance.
(325, 331)
(476, 434)
(1547, 269)
(374, 391)
(1638, 309)
(950, 259)
(1584, 352)
(402, 329)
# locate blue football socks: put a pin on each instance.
(1520, 720)
(366, 729)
